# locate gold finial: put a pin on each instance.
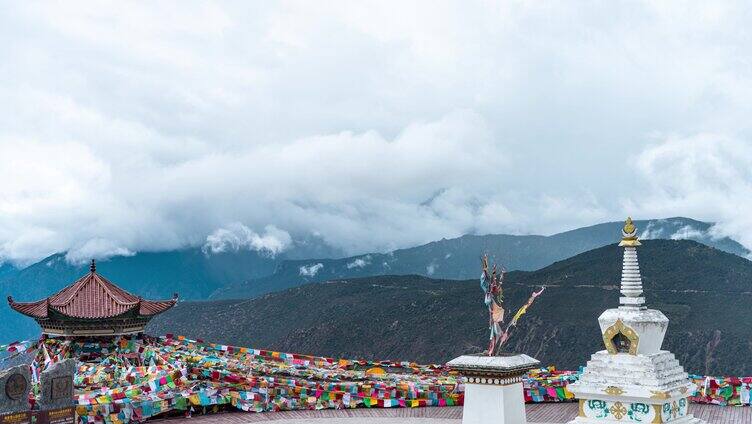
(629, 234)
(629, 227)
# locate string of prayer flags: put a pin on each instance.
(548, 385)
(733, 391)
(130, 379)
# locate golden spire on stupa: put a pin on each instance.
(629, 234)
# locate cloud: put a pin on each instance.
(359, 262)
(652, 231)
(687, 232)
(707, 176)
(95, 249)
(377, 125)
(322, 184)
(310, 270)
(237, 236)
(431, 268)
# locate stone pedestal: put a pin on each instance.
(493, 390)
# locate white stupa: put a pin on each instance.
(633, 380)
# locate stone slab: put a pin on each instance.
(24, 417)
(57, 385)
(56, 416)
(494, 364)
(15, 384)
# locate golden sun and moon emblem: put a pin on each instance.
(629, 234)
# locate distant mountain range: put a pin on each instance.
(705, 293)
(459, 258)
(197, 275)
(192, 273)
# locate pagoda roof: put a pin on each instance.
(92, 297)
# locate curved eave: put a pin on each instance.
(36, 309)
(41, 309)
(154, 307)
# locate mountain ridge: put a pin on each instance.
(433, 320)
(242, 273)
(458, 258)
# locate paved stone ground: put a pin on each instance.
(363, 420)
(551, 413)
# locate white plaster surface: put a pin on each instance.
(369, 420)
(485, 403)
(631, 281)
(649, 324)
(684, 420)
(490, 362)
(639, 376)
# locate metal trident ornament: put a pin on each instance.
(491, 282)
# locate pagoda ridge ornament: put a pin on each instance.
(633, 380)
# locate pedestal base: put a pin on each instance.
(594, 411)
(493, 388)
(624, 388)
(686, 420)
(488, 403)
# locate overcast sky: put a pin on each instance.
(127, 127)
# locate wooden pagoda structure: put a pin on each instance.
(92, 306)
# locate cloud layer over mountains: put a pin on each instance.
(129, 127)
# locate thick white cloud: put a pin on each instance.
(709, 176)
(359, 262)
(311, 270)
(377, 125)
(237, 236)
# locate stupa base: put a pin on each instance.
(674, 411)
(622, 388)
(684, 420)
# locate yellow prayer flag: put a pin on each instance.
(375, 371)
(519, 313)
(195, 400)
